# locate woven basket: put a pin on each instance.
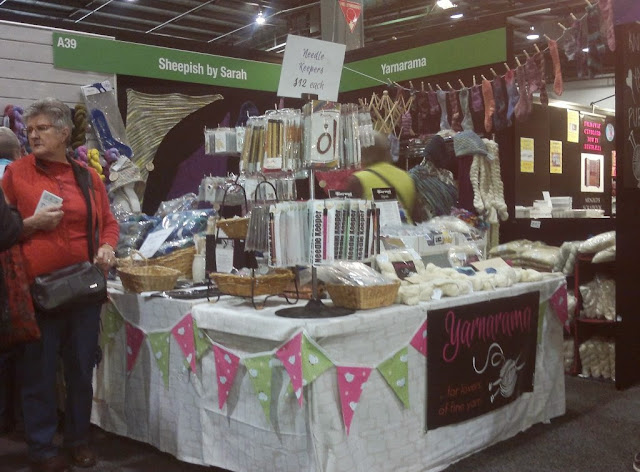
(271, 284)
(148, 278)
(180, 259)
(363, 298)
(235, 228)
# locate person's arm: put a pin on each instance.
(10, 222)
(110, 229)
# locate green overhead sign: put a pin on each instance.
(89, 53)
(96, 54)
(462, 53)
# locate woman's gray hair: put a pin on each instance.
(379, 152)
(54, 109)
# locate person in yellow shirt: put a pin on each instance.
(379, 172)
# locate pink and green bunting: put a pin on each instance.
(419, 340)
(159, 343)
(183, 334)
(314, 361)
(135, 336)
(351, 381)
(226, 369)
(395, 371)
(112, 322)
(290, 354)
(259, 370)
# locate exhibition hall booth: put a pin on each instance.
(264, 317)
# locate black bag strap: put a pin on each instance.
(83, 178)
(390, 185)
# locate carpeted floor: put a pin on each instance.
(599, 433)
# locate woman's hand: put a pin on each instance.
(106, 257)
(43, 220)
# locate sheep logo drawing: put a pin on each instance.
(506, 382)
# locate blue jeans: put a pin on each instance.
(74, 337)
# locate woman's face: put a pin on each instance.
(46, 140)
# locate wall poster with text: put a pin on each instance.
(592, 173)
(480, 357)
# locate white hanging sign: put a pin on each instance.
(311, 66)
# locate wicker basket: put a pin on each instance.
(148, 278)
(271, 284)
(235, 228)
(363, 298)
(180, 259)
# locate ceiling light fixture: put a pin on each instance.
(260, 19)
(445, 4)
(585, 50)
(456, 16)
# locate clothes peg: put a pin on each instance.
(588, 3)
(536, 48)
(411, 85)
(430, 87)
(506, 66)
(573, 17)
(564, 28)
(493, 72)
(547, 37)
(518, 62)
(438, 87)
(474, 81)
(449, 85)
(483, 77)
(525, 53)
(461, 83)
(422, 86)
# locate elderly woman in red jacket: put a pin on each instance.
(57, 239)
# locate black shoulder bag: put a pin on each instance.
(78, 284)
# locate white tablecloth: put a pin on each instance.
(185, 421)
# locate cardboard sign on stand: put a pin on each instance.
(311, 66)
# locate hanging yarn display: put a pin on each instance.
(486, 181)
(79, 131)
(13, 120)
(93, 157)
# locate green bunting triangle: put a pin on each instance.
(314, 361)
(159, 343)
(259, 371)
(395, 371)
(112, 322)
(542, 309)
(202, 344)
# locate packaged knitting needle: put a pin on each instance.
(273, 250)
(352, 243)
(322, 134)
(316, 224)
(330, 228)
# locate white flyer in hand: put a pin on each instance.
(48, 199)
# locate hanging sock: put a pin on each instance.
(606, 23)
(489, 105)
(558, 84)
(422, 105)
(434, 106)
(523, 108)
(582, 42)
(595, 41)
(467, 119)
(512, 94)
(500, 98)
(539, 60)
(477, 104)
(456, 115)
(444, 118)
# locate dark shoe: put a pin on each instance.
(82, 456)
(57, 463)
(636, 462)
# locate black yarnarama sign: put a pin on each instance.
(480, 357)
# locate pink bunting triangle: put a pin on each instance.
(291, 358)
(226, 369)
(183, 334)
(419, 340)
(558, 302)
(351, 380)
(135, 336)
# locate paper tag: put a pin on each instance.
(493, 263)
(389, 213)
(154, 240)
(48, 199)
(116, 166)
(404, 269)
(437, 294)
(536, 224)
(224, 258)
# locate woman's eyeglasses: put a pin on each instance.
(39, 129)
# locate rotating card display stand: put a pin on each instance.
(315, 308)
(252, 259)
